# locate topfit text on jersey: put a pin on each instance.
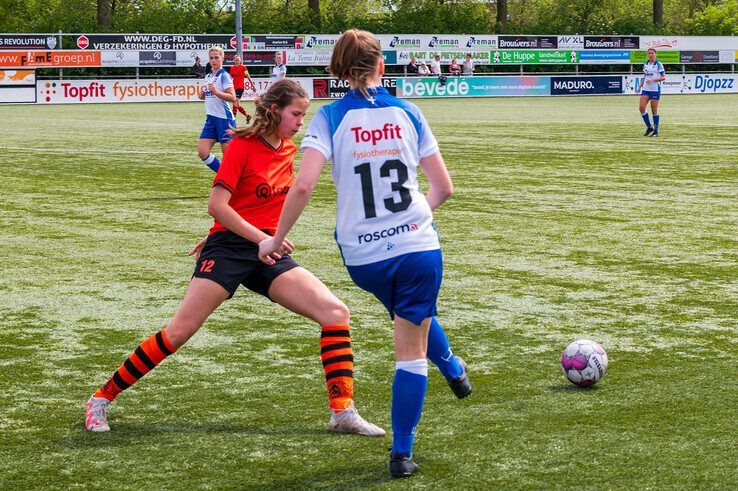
(389, 131)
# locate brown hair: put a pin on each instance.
(356, 55)
(266, 120)
(651, 49)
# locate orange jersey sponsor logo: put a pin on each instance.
(259, 178)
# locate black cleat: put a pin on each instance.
(655, 134)
(461, 386)
(648, 132)
(248, 119)
(402, 465)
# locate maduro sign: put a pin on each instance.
(587, 85)
(52, 59)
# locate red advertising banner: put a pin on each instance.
(49, 59)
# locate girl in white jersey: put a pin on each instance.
(384, 224)
(217, 91)
(279, 70)
(650, 90)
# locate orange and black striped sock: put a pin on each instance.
(338, 363)
(147, 356)
(242, 110)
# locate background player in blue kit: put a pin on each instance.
(279, 70)
(650, 90)
(217, 91)
(384, 224)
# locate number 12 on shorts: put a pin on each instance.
(207, 266)
(385, 171)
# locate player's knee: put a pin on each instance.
(336, 312)
(178, 333)
(202, 153)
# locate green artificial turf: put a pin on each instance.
(566, 223)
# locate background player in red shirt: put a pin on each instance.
(246, 200)
(240, 73)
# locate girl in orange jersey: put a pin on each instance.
(240, 73)
(246, 201)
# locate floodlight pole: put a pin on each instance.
(239, 30)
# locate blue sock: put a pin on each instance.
(646, 120)
(439, 352)
(408, 393)
(212, 162)
(656, 119)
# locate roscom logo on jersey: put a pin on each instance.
(387, 232)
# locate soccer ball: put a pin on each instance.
(584, 362)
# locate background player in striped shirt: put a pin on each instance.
(650, 90)
(246, 199)
(384, 223)
(217, 91)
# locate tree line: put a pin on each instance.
(650, 17)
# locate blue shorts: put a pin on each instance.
(653, 95)
(407, 285)
(217, 129)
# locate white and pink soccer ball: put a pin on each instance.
(584, 362)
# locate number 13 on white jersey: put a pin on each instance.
(375, 152)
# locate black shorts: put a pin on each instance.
(230, 260)
(239, 93)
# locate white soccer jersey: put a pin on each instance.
(215, 106)
(279, 71)
(375, 147)
(652, 70)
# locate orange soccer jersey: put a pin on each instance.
(259, 177)
(238, 74)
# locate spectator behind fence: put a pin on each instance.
(435, 65)
(412, 67)
(423, 69)
(454, 68)
(197, 69)
(468, 68)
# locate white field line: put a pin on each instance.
(96, 151)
